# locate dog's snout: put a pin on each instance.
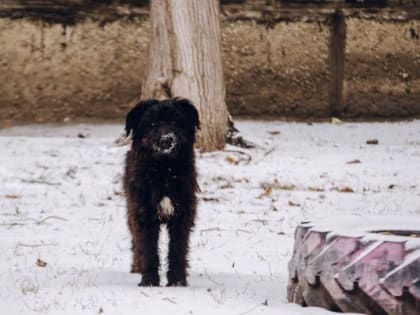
(167, 141)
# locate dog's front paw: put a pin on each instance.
(181, 283)
(175, 280)
(149, 280)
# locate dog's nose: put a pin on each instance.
(167, 141)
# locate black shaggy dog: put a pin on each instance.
(160, 182)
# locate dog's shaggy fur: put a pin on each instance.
(160, 184)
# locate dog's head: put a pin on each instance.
(162, 128)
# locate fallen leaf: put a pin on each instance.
(41, 263)
(274, 132)
(230, 159)
(345, 189)
(12, 196)
(267, 191)
(392, 186)
(293, 204)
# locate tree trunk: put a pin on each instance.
(185, 59)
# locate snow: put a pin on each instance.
(65, 246)
(368, 228)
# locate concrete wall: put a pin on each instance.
(281, 70)
(382, 70)
(49, 72)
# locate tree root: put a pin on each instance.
(233, 137)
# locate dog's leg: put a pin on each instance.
(147, 253)
(179, 235)
(136, 265)
(134, 230)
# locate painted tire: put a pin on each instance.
(367, 265)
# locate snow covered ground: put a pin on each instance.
(64, 244)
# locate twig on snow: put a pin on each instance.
(50, 217)
(251, 309)
(211, 279)
(39, 181)
(267, 153)
(10, 225)
(243, 231)
(35, 245)
(210, 230)
(169, 300)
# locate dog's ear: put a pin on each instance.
(189, 111)
(135, 114)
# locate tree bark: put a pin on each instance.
(185, 59)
